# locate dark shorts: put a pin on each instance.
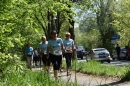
(46, 61)
(35, 58)
(68, 57)
(56, 61)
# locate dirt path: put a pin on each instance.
(88, 80)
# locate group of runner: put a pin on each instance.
(52, 51)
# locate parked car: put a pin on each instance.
(81, 52)
(122, 54)
(100, 54)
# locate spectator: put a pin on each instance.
(54, 51)
(29, 56)
(118, 51)
(35, 56)
(69, 47)
(43, 54)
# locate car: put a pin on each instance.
(122, 54)
(99, 54)
(81, 52)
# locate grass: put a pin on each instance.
(31, 78)
(96, 68)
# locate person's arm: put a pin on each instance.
(48, 50)
(62, 47)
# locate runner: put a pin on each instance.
(29, 55)
(35, 57)
(69, 47)
(54, 51)
(43, 54)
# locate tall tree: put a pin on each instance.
(122, 21)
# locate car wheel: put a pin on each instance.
(113, 58)
(108, 61)
(81, 57)
(102, 61)
(127, 58)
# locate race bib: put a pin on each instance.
(68, 49)
(57, 52)
(29, 53)
(45, 52)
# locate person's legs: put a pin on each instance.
(68, 57)
(48, 65)
(35, 60)
(60, 69)
(59, 61)
(44, 61)
(118, 55)
(40, 60)
(53, 59)
(29, 62)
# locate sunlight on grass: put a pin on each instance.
(31, 78)
(96, 68)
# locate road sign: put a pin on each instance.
(115, 37)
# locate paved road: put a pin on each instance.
(120, 63)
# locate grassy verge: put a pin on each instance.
(98, 69)
(30, 78)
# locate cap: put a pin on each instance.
(53, 31)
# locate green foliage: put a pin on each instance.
(122, 21)
(126, 75)
(89, 39)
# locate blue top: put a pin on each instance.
(35, 52)
(29, 51)
(68, 45)
(43, 47)
(55, 46)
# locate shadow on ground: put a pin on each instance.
(113, 83)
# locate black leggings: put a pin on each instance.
(68, 57)
(56, 61)
(46, 61)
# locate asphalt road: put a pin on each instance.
(120, 63)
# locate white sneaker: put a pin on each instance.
(59, 74)
(61, 70)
